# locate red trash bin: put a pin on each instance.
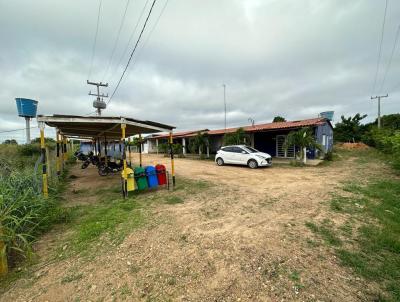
(161, 174)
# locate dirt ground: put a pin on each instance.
(242, 239)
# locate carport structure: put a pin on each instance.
(96, 128)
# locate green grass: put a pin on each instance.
(372, 232)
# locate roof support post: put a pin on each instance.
(157, 145)
(58, 163)
(44, 164)
(171, 150)
(140, 149)
(184, 146)
(125, 175)
(129, 152)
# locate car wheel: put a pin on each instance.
(220, 161)
(252, 164)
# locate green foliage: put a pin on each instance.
(387, 141)
(24, 213)
(177, 148)
(10, 142)
(237, 138)
(199, 142)
(349, 129)
(390, 121)
(29, 149)
(163, 148)
(303, 138)
(46, 140)
(278, 119)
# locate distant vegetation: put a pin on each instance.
(236, 138)
(278, 119)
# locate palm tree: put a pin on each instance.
(236, 138)
(303, 139)
(200, 142)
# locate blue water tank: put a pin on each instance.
(327, 114)
(26, 107)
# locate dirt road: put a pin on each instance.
(242, 239)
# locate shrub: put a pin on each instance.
(24, 213)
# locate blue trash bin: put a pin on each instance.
(151, 176)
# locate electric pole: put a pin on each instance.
(379, 106)
(223, 85)
(99, 104)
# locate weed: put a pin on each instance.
(325, 230)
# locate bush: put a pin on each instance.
(24, 213)
(29, 149)
(328, 156)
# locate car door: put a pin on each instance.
(239, 156)
(228, 155)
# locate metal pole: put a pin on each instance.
(172, 159)
(44, 164)
(140, 149)
(125, 177)
(28, 129)
(224, 104)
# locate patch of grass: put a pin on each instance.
(105, 218)
(374, 251)
(173, 200)
(326, 231)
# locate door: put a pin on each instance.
(280, 150)
(238, 156)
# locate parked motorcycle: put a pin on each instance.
(111, 167)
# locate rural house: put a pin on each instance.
(268, 137)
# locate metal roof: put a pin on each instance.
(101, 126)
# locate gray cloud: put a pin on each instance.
(292, 58)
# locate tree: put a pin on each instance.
(350, 129)
(199, 143)
(303, 139)
(278, 119)
(10, 142)
(236, 138)
(46, 140)
(390, 121)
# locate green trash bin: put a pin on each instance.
(140, 177)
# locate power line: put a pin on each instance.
(380, 48)
(150, 33)
(133, 51)
(95, 40)
(130, 39)
(391, 57)
(116, 39)
(14, 130)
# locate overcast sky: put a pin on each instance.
(291, 58)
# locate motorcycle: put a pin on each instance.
(111, 167)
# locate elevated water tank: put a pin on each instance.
(26, 107)
(327, 114)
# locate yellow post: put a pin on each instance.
(62, 152)
(172, 159)
(65, 149)
(125, 177)
(44, 164)
(140, 149)
(129, 152)
(3, 257)
(58, 164)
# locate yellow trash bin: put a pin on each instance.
(130, 180)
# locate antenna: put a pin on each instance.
(251, 121)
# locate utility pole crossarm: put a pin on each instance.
(98, 103)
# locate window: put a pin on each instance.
(237, 150)
(251, 150)
(227, 149)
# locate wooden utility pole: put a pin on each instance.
(99, 104)
(379, 106)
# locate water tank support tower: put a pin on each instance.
(27, 108)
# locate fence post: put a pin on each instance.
(3, 257)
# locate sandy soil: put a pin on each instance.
(242, 239)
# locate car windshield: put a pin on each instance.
(250, 149)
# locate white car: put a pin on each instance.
(242, 155)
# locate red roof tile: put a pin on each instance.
(255, 128)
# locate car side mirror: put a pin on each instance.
(244, 152)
